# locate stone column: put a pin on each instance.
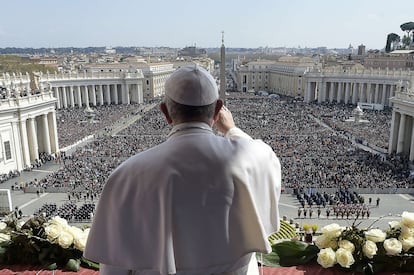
(401, 133)
(412, 144)
(108, 94)
(33, 145)
(25, 143)
(369, 93)
(384, 94)
(347, 88)
(86, 93)
(127, 98)
(56, 89)
(72, 98)
(363, 97)
(101, 97)
(45, 137)
(64, 98)
(354, 93)
(307, 92)
(392, 145)
(78, 90)
(116, 94)
(340, 95)
(93, 95)
(331, 91)
(376, 97)
(53, 135)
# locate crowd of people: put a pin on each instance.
(312, 154)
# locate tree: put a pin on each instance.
(392, 39)
(409, 28)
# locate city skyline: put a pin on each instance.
(182, 23)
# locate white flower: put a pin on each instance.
(323, 242)
(407, 243)
(3, 225)
(326, 257)
(370, 249)
(86, 231)
(75, 231)
(394, 224)
(407, 219)
(59, 221)
(4, 237)
(53, 232)
(407, 232)
(80, 242)
(345, 244)
(344, 257)
(65, 239)
(375, 235)
(392, 246)
(332, 230)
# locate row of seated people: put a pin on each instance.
(85, 212)
(68, 211)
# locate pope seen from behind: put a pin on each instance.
(199, 203)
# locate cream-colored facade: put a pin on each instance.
(398, 59)
(284, 76)
(402, 122)
(154, 75)
(93, 88)
(27, 128)
(353, 86)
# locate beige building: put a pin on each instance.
(284, 76)
(154, 74)
(398, 59)
(27, 128)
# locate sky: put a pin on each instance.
(181, 23)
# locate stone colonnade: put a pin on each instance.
(38, 134)
(349, 91)
(79, 95)
(402, 126)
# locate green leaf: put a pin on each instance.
(73, 265)
(271, 259)
(52, 266)
(289, 248)
(89, 263)
(295, 253)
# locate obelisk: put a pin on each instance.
(223, 69)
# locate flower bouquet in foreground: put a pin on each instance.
(367, 251)
(50, 243)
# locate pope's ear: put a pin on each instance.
(164, 110)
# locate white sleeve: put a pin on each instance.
(237, 133)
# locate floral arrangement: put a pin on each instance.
(367, 251)
(50, 243)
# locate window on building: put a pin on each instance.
(7, 150)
